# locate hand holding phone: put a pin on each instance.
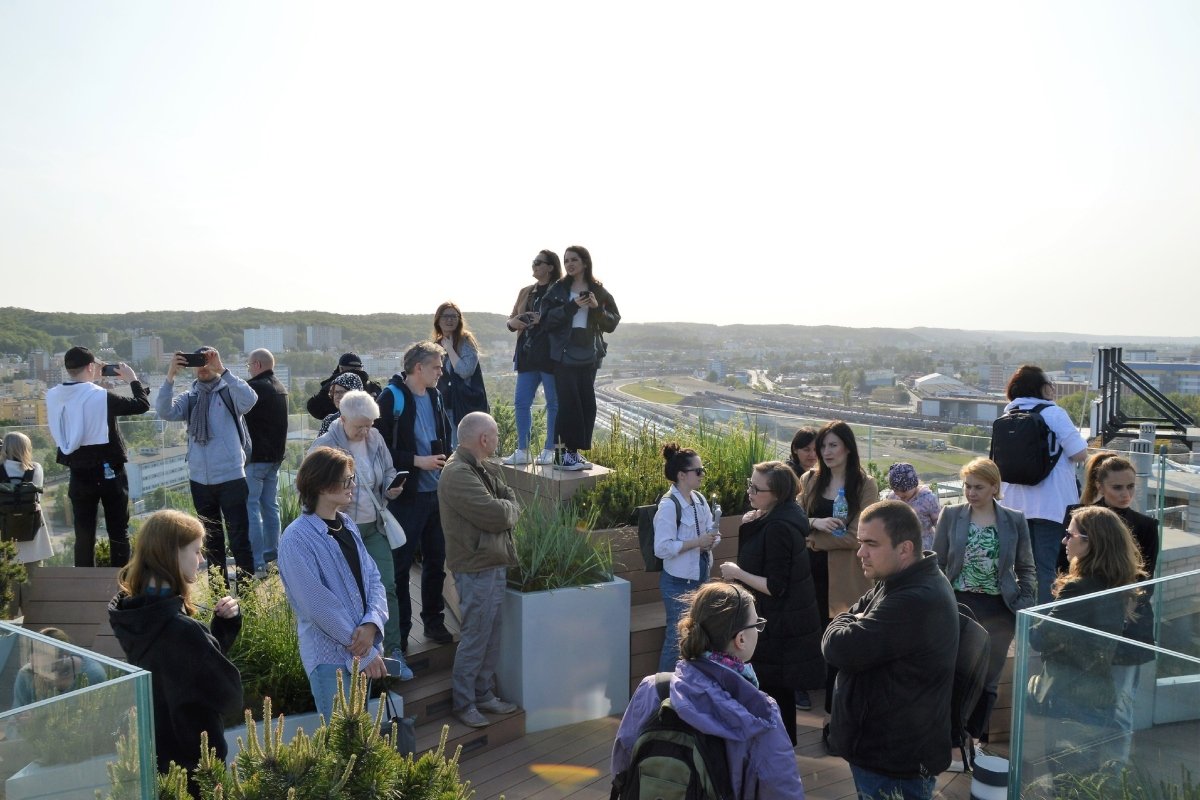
(194, 359)
(398, 481)
(110, 370)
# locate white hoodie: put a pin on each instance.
(78, 415)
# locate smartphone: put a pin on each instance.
(393, 667)
(195, 359)
(437, 447)
(110, 370)
(399, 479)
(526, 318)
(585, 295)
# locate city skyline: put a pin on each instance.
(1028, 167)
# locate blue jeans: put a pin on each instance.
(262, 506)
(1046, 537)
(422, 522)
(873, 786)
(323, 681)
(672, 590)
(527, 384)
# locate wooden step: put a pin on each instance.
(474, 741)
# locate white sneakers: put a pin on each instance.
(518, 458)
(545, 459)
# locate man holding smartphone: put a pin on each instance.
(218, 445)
(83, 422)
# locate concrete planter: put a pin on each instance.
(565, 653)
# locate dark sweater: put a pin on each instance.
(400, 434)
(267, 421)
(1144, 529)
(320, 405)
(92, 457)
(195, 685)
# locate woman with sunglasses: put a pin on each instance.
(532, 360)
(576, 314)
(462, 376)
(715, 690)
(684, 536)
(1075, 687)
(772, 561)
(330, 579)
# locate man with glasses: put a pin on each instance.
(83, 421)
(895, 651)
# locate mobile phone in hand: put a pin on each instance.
(110, 370)
(399, 479)
(195, 359)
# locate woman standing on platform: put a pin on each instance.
(772, 561)
(577, 312)
(983, 548)
(532, 360)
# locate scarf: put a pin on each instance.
(198, 419)
(735, 664)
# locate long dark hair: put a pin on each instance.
(855, 477)
(586, 258)
(551, 258)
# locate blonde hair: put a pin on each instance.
(1112, 556)
(17, 447)
(986, 470)
(156, 555)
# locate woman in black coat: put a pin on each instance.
(772, 561)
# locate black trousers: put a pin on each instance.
(1001, 624)
(421, 518)
(576, 387)
(785, 696)
(88, 489)
(225, 501)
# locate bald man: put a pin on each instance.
(267, 423)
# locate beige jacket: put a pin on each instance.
(846, 580)
(478, 512)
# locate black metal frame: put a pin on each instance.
(1113, 374)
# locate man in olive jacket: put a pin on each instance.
(478, 513)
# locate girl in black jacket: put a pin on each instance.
(153, 619)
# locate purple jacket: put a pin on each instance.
(714, 699)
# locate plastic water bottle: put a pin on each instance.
(716, 512)
(841, 510)
(109, 474)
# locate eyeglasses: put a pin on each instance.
(698, 470)
(752, 489)
(348, 482)
(759, 625)
(450, 317)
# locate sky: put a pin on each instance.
(1019, 166)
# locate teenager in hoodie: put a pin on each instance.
(153, 618)
(714, 689)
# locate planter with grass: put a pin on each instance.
(564, 622)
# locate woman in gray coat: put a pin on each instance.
(984, 550)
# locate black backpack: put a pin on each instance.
(645, 518)
(20, 510)
(970, 677)
(1024, 447)
(671, 760)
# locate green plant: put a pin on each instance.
(12, 573)
(347, 758)
(557, 549)
(69, 731)
(1118, 783)
(289, 503)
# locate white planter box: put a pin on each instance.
(77, 781)
(564, 653)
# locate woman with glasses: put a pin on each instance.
(532, 360)
(983, 549)
(772, 561)
(576, 314)
(684, 536)
(1075, 687)
(462, 376)
(354, 433)
(1045, 504)
(331, 580)
(715, 690)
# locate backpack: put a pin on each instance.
(1024, 447)
(20, 510)
(970, 677)
(645, 520)
(671, 760)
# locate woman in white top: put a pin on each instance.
(17, 455)
(684, 536)
(1045, 504)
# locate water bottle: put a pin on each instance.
(108, 472)
(716, 512)
(841, 510)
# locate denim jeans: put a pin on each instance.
(1046, 537)
(262, 506)
(672, 589)
(873, 786)
(527, 384)
(224, 501)
(323, 681)
(422, 522)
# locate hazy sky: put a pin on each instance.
(1029, 166)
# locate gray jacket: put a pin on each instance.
(381, 467)
(1018, 578)
(222, 459)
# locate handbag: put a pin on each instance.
(405, 741)
(392, 528)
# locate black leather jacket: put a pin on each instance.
(558, 310)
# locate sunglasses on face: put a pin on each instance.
(537, 262)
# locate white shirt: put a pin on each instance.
(1050, 498)
(669, 539)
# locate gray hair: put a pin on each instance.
(359, 405)
(422, 352)
(473, 425)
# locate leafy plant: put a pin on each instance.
(73, 730)
(12, 573)
(1118, 783)
(289, 504)
(557, 549)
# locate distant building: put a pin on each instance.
(382, 367)
(147, 348)
(23, 410)
(152, 468)
(282, 372)
(875, 378)
(937, 384)
(276, 338)
(323, 337)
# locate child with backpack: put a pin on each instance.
(707, 720)
(24, 475)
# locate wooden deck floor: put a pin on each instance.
(572, 761)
